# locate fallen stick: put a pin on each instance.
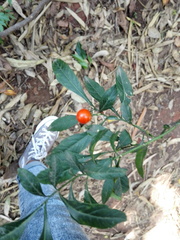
(21, 24)
(139, 122)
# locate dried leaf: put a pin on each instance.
(24, 64)
(18, 8)
(122, 21)
(2, 87)
(177, 42)
(153, 33)
(78, 19)
(7, 206)
(10, 92)
(101, 53)
(165, 2)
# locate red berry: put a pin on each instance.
(83, 116)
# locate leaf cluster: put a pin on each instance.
(67, 161)
(5, 17)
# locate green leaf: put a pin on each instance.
(108, 99)
(68, 79)
(30, 182)
(94, 129)
(4, 17)
(88, 197)
(94, 215)
(81, 61)
(107, 190)
(94, 89)
(63, 123)
(63, 166)
(124, 139)
(95, 139)
(43, 176)
(124, 183)
(75, 143)
(81, 52)
(118, 187)
(14, 230)
(46, 233)
(114, 138)
(3, 23)
(123, 84)
(71, 194)
(126, 111)
(99, 172)
(140, 155)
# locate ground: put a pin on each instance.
(140, 36)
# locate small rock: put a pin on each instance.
(153, 33)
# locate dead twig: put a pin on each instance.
(139, 122)
(25, 21)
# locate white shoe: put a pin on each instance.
(41, 142)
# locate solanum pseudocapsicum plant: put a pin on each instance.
(67, 161)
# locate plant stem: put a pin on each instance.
(134, 125)
(152, 140)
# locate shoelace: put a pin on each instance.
(41, 145)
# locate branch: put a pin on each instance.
(21, 24)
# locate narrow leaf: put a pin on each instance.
(118, 187)
(63, 166)
(75, 143)
(94, 215)
(108, 99)
(14, 230)
(113, 139)
(124, 139)
(140, 155)
(81, 52)
(30, 182)
(63, 123)
(43, 176)
(123, 84)
(124, 183)
(94, 129)
(94, 89)
(100, 172)
(71, 194)
(88, 198)
(126, 111)
(68, 79)
(107, 190)
(46, 233)
(95, 139)
(81, 61)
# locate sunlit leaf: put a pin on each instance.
(94, 89)
(75, 143)
(126, 111)
(108, 99)
(123, 84)
(68, 79)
